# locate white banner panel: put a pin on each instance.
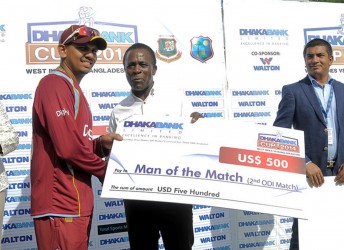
(264, 46)
(194, 68)
(203, 32)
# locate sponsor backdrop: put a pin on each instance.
(226, 59)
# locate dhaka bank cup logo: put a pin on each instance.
(278, 142)
(43, 38)
(335, 36)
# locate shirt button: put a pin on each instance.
(325, 130)
(325, 148)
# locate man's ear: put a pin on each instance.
(155, 68)
(331, 60)
(62, 49)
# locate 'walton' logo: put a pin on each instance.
(266, 60)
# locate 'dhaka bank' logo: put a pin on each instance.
(41, 46)
(153, 124)
(254, 36)
(334, 35)
(278, 141)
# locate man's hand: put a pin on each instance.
(195, 116)
(107, 140)
(340, 176)
(314, 174)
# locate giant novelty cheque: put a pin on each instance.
(211, 162)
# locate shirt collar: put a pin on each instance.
(316, 83)
(151, 93)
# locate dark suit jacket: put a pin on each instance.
(300, 109)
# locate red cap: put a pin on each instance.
(81, 34)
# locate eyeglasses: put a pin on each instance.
(83, 31)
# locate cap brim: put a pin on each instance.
(98, 40)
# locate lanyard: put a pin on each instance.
(329, 101)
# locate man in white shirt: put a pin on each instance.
(146, 220)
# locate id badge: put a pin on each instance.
(330, 136)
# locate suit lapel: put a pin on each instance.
(309, 91)
(339, 93)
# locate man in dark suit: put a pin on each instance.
(315, 105)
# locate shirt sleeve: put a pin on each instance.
(286, 112)
(9, 139)
(112, 122)
(286, 109)
(55, 107)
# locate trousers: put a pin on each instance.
(148, 220)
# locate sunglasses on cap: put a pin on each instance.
(82, 31)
